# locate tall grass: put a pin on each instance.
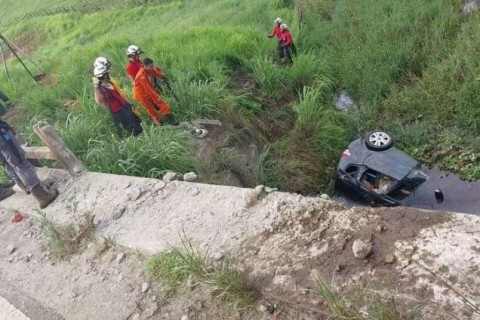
(65, 240)
(152, 153)
(304, 161)
(224, 279)
(366, 304)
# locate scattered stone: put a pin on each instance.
(150, 310)
(389, 258)
(127, 185)
(305, 291)
(145, 287)
(469, 6)
(197, 305)
(134, 316)
(343, 101)
(364, 311)
(266, 307)
(316, 234)
(361, 249)
(11, 249)
(270, 190)
(195, 192)
(10, 259)
(169, 176)
(262, 308)
(404, 262)
(217, 256)
(121, 257)
(325, 196)
(129, 288)
(253, 195)
(133, 194)
(101, 245)
(185, 317)
(379, 228)
(159, 186)
(118, 213)
(258, 190)
(190, 176)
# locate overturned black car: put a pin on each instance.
(377, 171)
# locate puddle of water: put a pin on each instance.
(469, 6)
(343, 101)
(459, 195)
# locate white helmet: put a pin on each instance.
(278, 20)
(283, 26)
(102, 62)
(100, 71)
(133, 50)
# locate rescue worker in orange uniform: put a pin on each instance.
(145, 93)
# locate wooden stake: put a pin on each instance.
(58, 148)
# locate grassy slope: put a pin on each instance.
(410, 64)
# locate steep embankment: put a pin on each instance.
(282, 241)
(409, 66)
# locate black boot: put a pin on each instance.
(5, 193)
(43, 195)
(170, 119)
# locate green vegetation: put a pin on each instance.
(374, 305)
(65, 240)
(410, 65)
(224, 280)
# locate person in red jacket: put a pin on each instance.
(278, 33)
(109, 94)
(145, 93)
(287, 48)
(134, 62)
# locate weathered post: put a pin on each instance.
(58, 148)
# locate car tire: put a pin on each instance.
(378, 140)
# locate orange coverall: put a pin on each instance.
(145, 93)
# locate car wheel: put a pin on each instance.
(378, 140)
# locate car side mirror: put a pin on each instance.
(439, 196)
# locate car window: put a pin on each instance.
(377, 182)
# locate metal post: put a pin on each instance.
(20, 50)
(16, 55)
(4, 61)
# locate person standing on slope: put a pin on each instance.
(109, 94)
(286, 45)
(134, 61)
(20, 170)
(145, 93)
(278, 33)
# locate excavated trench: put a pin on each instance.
(231, 157)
